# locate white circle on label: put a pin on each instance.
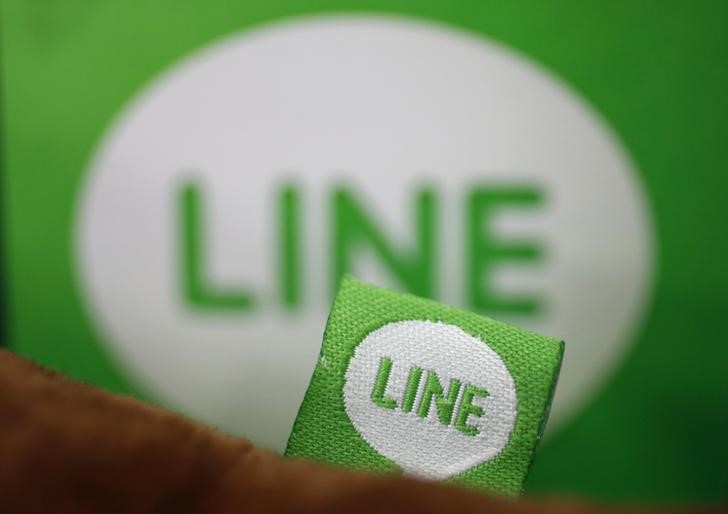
(383, 107)
(423, 445)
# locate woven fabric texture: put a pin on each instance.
(407, 384)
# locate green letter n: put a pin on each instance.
(196, 291)
(353, 229)
(445, 405)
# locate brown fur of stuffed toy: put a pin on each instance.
(66, 447)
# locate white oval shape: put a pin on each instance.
(425, 447)
(382, 105)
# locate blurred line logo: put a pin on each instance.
(231, 194)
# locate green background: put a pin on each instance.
(656, 70)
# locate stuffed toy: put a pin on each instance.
(67, 447)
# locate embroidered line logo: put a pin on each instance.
(404, 383)
(430, 397)
(433, 390)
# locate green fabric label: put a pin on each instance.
(405, 383)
